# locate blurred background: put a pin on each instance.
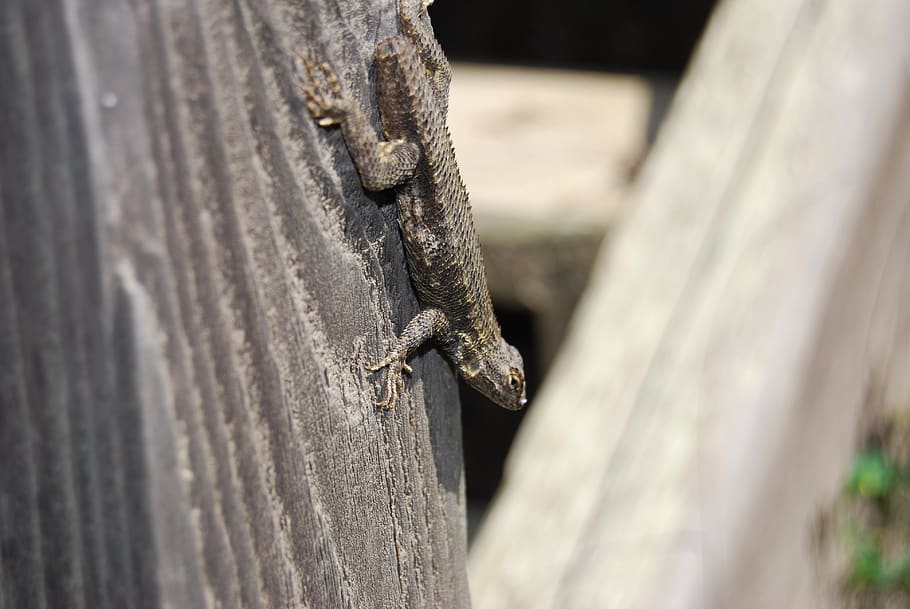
(706, 422)
(552, 115)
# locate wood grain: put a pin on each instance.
(191, 279)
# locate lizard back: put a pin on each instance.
(416, 158)
(434, 212)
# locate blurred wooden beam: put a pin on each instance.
(549, 157)
(709, 397)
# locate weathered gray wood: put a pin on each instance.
(191, 281)
(707, 403)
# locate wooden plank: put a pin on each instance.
(192, 280)
(549, 149)
(549, 156)
(707, 402)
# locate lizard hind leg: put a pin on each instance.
(324, 97)
(381, 164)
(425, 325)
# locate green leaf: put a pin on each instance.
(867, 565)
(872, 475)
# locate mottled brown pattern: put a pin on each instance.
(417, 160)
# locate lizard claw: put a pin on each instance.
(324, 98)
(394, 381)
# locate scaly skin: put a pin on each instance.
(417, 159)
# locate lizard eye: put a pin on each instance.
(515, 381)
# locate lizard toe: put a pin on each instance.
(393, 388)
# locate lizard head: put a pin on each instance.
(500, 376)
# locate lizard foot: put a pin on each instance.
(324, 98)
(394, 381)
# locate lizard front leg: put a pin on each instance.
(425, 325)
(381, 164)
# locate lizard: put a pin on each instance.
(416, 158)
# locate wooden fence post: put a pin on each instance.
(191, 281)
